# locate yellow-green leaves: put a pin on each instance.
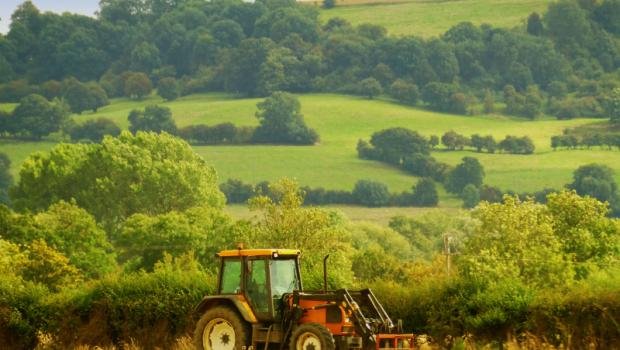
(284, 223)
(515, 240)
(143, 173)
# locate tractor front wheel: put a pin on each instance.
(221, 328)
(312, 336)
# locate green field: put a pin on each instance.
(429, 18)
(342, 121)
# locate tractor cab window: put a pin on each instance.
(230, 282)
(256, 285)
(283, 277)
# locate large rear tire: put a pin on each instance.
(221, 328)
(312, 336)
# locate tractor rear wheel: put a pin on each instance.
(312, 336)
(221, 328)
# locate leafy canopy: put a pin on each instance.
(143, 173)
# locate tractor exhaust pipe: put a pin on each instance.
(325, 273)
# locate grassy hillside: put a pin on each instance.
(341, 121)
(429, 18)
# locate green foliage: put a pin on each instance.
(613, 106)
(145, 58)
(371, 193)
(534, 24)
(469, 171)
(517, 145)
(49, 267)
(405, 92)
(22, 311)
(370, 87)
(395, 144)
(489, 102)
(283, 222)
(425, 193)
(154, 118)
(514, 241)
(144, 173)
(444, 97)
(81, 97)
(143, 240)
(588, 237)
(6, 179)
(236, 191)
(328, 4)
(132, 306)
(36, 117)
(225, 133)
(597, 181)
(453, 140)
(281, 121)
(168, 89)
(137, 85)
(94, 130)
(64, 229)
(470, 196)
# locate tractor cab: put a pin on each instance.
(261, 277)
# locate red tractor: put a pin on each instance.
(261, 305)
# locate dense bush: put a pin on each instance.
(517, 145)
(371, 193)
(152, 118)
(94, 130)
(469, 171)
(225, 133)
(573, 141)
(35, 117)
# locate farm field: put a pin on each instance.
(342, 121)
(432, 18)
(379, 216)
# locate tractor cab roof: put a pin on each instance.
(259, 252)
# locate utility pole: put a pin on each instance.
(447, 239)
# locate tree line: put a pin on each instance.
(367, 193)
(279, 115)
(572, 141)
(255, 49)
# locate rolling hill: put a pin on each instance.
(341, 121)
(428, 18)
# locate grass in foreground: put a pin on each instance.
(428, 18)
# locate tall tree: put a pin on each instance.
(613, 106)
(143, 173)
(36, 117)
(6, 179)
(137, 85)
(469, 171)
(281, 121)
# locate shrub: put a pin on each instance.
(94, 130)
(425, 193)
(236, 191)
(153, 118)
(405, 92)
(469, 171)
(168, 89)
(371, 193)
(470, 196)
